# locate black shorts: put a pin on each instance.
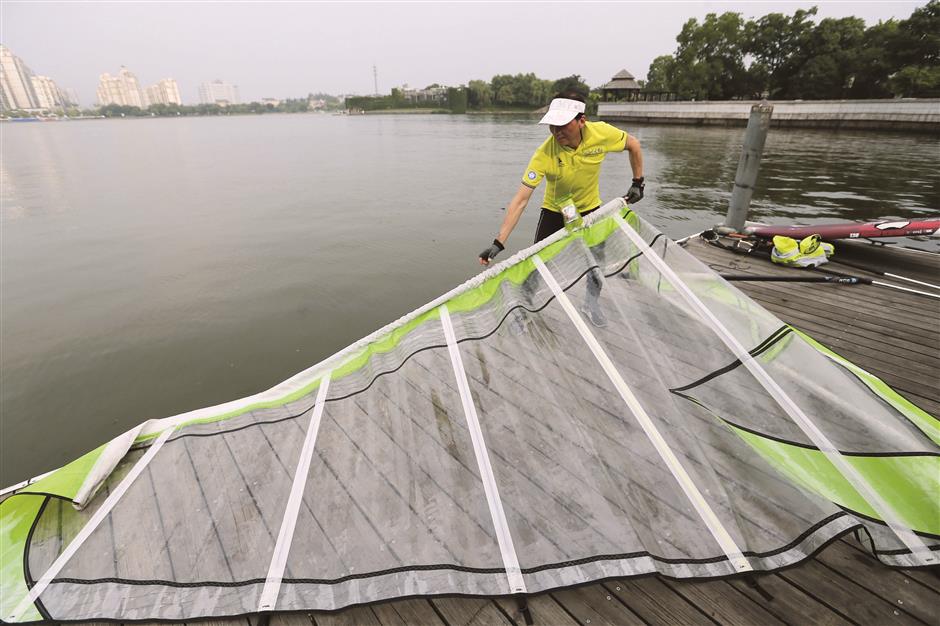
(551, 221)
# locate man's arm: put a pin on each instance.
(635, 193)
(513, 212)
(636, 156)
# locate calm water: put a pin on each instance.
(155, 266)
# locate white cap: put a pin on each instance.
(561, 111)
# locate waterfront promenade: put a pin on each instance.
(918, 114)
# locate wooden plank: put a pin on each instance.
(543, 609)
(908, 305)
(845, 596)
(592, 604)
(470, 611)
(788, 603)
(867, 358)
(354, 616)
(656, 603)
(139, 534)
(926, 577)
(855, 302)
(890, 585)
(290, 619)
(388, 616)
(873, 346)
(191, 539)
(894, 337)
(732, 609)
(413, 611)
(904, 303)
(854, 312)
(914, 264)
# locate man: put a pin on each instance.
(570, 162)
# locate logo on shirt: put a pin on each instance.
(591, 151)
(531, 175)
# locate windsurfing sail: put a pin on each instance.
(852, 230)
(494, 442)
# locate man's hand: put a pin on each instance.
(636, 191)
(491, 252)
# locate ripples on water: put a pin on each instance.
(154, 266)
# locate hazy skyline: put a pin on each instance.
(288, 49)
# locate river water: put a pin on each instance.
(153, 266)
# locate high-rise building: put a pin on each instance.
(16, 85)
(218, 92)
(48, 95)
(70, 96)
(164, 92)
(123, 89)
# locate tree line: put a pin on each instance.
(289, 105)
(503, 92)
(786, 57)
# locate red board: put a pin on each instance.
(851, 230)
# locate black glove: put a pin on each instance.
(492, 251)
(636, 191)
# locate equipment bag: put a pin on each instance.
(810, 252)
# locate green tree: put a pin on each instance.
(457, 99)
(828, 60)
(873, 62)
(571, 83)
(710, 58)
(773, 41)
(501, 86)
(916, 53)
(120, 110)
(479, 94)
(661, 74)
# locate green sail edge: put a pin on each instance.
(927, 424)
(909, 484)
(17, 515)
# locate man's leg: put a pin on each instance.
(549, 223)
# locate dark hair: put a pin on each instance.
(571, 94)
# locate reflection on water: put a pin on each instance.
(155, 266)
(805, 175)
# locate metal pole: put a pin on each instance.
(745, 179)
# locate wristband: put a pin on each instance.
(639, 181)
(498, 245)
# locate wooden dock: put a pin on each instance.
(893, 334)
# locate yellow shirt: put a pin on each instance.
(574, 171)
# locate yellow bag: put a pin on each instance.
(810, 252)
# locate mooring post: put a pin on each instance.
(746, 177)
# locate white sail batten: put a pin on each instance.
(285, 536)
(500, 525)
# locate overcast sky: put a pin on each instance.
(289, 49)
